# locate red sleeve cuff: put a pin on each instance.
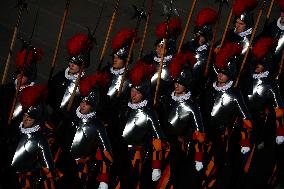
(103, 177)
(245, 142)
(280, 131)
(198, 156)
(156, 164)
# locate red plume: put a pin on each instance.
(34, 55)
(89, 82)
(141, 71)
(229, 50)
(174, 28)
(179, 61)
(79, 43)
(206, 16)
(123, 37)
(241, 6)
(263, 46)
(281, 4)
(32, 95)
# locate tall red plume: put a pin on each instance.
(141, 71)
(174, 28)
(123, 37)
(229, 50)
(241, 6)
(34, 55)
(79, 43)
(32, 95)
(206, 16)
(179, 61)
(263, 46)
(281, 4)
(88, 83)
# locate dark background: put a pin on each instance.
(83, 14)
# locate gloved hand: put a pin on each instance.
(198, 165)
(245, 149)
(103, 185)
(279, 139)
(156, 174)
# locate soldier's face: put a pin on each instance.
(85, 108)
(159, 49)
(199, 39)
(118, 63)
(179, 89)
(222, 78)
(24, 80)
(27, 121)
(240, 26)
(136, 96)
(259, 68)
(73, 68)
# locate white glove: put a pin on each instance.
(156, 174)
(198, 165)
(245, 149)
(279, 139)
(103, 185)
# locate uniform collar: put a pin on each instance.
(84, 116)
(117, 72)
(28, 130)
(71, 76)
(279, 25)
(223, 88)
(245, 33)
(166, 58)
(138, 105)
(22, 87)
(260, 75)
(181, 98)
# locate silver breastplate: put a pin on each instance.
(181, 115)
(280, 43)
(115, 84)
(245, 44)
(139, 126)
(85, 139)
(226, 104)
(18, 109)
(68, 92)
(32, 152)
(165, 75)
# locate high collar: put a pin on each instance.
(166, 58)
(28, 130)
(84, 116)
(138, 105)
(279, 25)
(260, 75)
(181, 98)
(71, 76)
(22, 87)
(117, 72)
(223, 88)
(245, 33)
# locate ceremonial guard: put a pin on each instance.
(33, 160)
(62, 84)
(200, 44)
(222, 105)
(90, 141)
(26, 72)
(174, 30)
(185, 129)
(243, 23)
(140, 126)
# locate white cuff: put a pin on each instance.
(279, 139)
(198, 165)
(245, 150)
(103, 185)
(156, 174)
